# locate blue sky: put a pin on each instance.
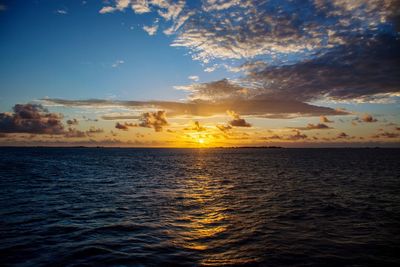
(264, 70)
(45, 53)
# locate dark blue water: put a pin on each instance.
(207, 207)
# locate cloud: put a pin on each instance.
(151, 30)
(74, 133)
(237, 121)
(107, 9)
(342, 135)
(141, 7)
(223, 89)
(94, 130)
(324, 119)
(297, 136)
(196, 127)
(31, 118)
(119, 5)
(319, 126)
(224, 128)
(266, 108)
(194, 78)
(119, 116)
(273, 137)
(386, 135)
(3, 7)
(61, 11)
(156, 120)
(337, 50)
(248, 29)
(73, 122)
(368, 118)
(124, 126)
(358, 72)
(117, 63)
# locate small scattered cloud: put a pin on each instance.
(72, 122)
(194, 78)
(237, 121)
(224, 128)
(94, 130)
(156, 120)
(107, 9)
(318, 126)
(124, 126)
(386, 135)
(196, 127)
(3, 7)
(297, 136)
(343, 135)
(324, 119)
(117, 63)
(74, 133)
(210, 69)
(141, 7)
(151, 30)
(368, 118)
(61, 11)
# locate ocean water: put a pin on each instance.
(199, 207)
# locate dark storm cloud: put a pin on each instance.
(31, 118)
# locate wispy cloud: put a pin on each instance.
(194, 78)
(117, 63)
(151, 30)
(61, 11)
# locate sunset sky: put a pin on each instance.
(210, 73)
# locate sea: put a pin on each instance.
(199, 207)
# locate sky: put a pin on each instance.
(209, 73)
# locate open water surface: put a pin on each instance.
(199, 207)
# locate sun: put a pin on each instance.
(201, 141)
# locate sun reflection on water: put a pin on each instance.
(206, 220)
